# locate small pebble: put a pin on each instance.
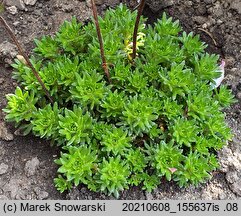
(208, 1)
(219, 21)
(1, 80)
(30, 2)
(12, 10)
(4, 132)
(31, 167)
(3, 168)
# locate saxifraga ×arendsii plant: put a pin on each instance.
(139, 112)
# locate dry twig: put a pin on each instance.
(209, 34)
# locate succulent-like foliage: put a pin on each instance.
(113, 104)
(77, 165)
(167, 27)
(200, 105)
(100, 128)
(61, 184)
(177, 81)
(113, 175)
(137, 160)
(150, 182)
(24, 75)
(158, 116)
(224, 96)
(74, 126)
(71, 37)
(66, 69)
(21, 106)
(136, 82)
(206, 67)
(184, 131)
(192, 44)
(171, 109)
(217, 128)
(196, 169)
(139, 115)
(47, 47)
(46, 122)
(88, 89)
(166, 158)
(116, 141)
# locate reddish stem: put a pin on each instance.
(102, 52)
(140, 9)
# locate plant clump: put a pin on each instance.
(158, 118)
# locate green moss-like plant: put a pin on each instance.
(158, 117)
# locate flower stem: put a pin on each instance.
(21, 51)
(140, 9)
(102, 52)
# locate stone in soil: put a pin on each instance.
(30, 2)
(15, 187)
(208, 1)
(107, 2)
(31, 167)
(236, 187)
(230, 161)
(18, 3)
(236, 5)
(156, 5)
(8, 52)
(12, 10)
(3, 168)
(200, 19)
(4, 133)
(41, 194)
(1, 81)
(2, 197)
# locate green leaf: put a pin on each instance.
(224, 96)
(113, 175)
(75, 126)
(21, 105)
(77, 164)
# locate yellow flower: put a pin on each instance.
(129, 44)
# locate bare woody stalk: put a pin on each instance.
(140, 9)
(21, 51)
(102, 52)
